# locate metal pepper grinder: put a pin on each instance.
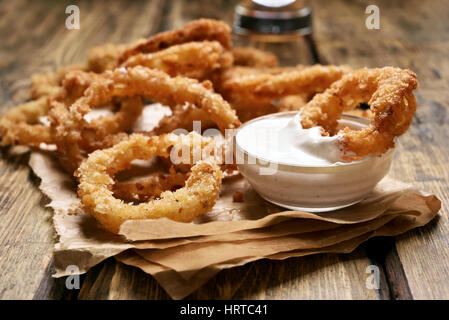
(283, 27)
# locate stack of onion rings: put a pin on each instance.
(196, 72)
(137, 81)
(95, 188)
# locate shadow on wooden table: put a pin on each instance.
(263, 279)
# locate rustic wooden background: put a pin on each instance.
(414, 34)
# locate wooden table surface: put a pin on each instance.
(413, 34)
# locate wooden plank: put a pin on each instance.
(412, 35)
(314, 277)
(325, 276)
(26, 234)
(114, 280)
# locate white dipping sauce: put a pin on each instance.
(300, 169)
(283, 140)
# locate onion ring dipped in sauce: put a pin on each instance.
(321, 160)
(96, 183)
(389, 92)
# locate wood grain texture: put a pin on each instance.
(34, 39)
(314, 277)
(412, 35)
(326, 276)
(26, 235)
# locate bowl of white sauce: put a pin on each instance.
(300, 169)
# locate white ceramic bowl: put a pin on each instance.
(313, 188)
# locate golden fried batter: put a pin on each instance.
(96, 183)
(252, 57)
(198, 30)
(193, 59)
(389, 92)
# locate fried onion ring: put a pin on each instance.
(158, 86)
(292, 103)
(44, 84)
(182, 117)
(389, 92)
(250, 109)
(137, 81)
(361, 113)
(95, 188)
(300, 80)
(73, 145)
(193, 59)
(21, 126)
(252, 57)
(91, 135)
(198, 30)
(104, 57)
